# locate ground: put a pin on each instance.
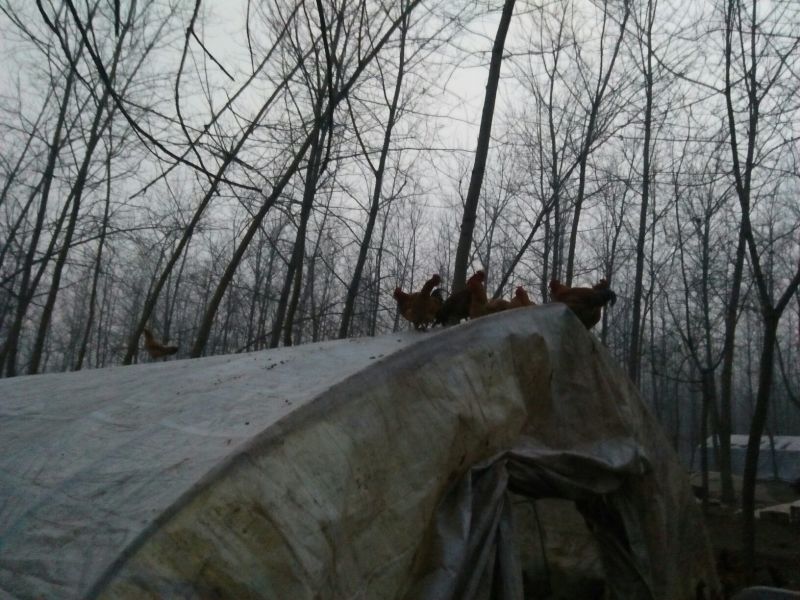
(777, 543)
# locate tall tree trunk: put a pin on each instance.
(728, 495)
(257, 282)
(556, 182)
(291, 310)
(543, 194)
(103, 333)
(609, 267)
(373, 324)
(545, 261)
(634, 358)
(295, 267)
(298, 301)
(765, 376)
(481, 152)
(261, 332)
(704, 438)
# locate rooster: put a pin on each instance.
(520, 298)
(456, 307)
(586, 303)
(479, 305)
(420, 308)
(155, 348)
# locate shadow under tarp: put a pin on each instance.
(360, 469)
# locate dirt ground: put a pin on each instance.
(777, 551)
(777, 543)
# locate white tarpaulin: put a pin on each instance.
(361, 469)
(778, 456)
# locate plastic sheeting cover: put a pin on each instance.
(361, 469)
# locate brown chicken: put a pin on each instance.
(520, 298)
(456, 307)
(155, 348)
(479, 305)
(420, 308)
(437, 297)
(586, 303)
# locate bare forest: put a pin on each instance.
(236, 176)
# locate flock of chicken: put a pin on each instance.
(428, 308)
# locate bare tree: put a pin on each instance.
(28, 283)
(764, 64)
(591, 131)
(290, 170)
(100, 122)
(378, 171)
